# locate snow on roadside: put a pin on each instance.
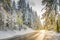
(43, 34)
(51, 35)
(9, 33)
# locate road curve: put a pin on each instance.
(38, 35)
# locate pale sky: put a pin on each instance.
(37, 6)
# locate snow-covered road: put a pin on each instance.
(31, 35)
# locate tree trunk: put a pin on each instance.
(57, 26)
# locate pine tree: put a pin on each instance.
(50, 15)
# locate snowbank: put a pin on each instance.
(9, 33)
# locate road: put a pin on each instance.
(43, 35)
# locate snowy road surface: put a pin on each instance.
(37, 35)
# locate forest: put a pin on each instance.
(22, 19)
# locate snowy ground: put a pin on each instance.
(30, 35)
(9, 33)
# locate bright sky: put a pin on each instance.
(37, 6)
